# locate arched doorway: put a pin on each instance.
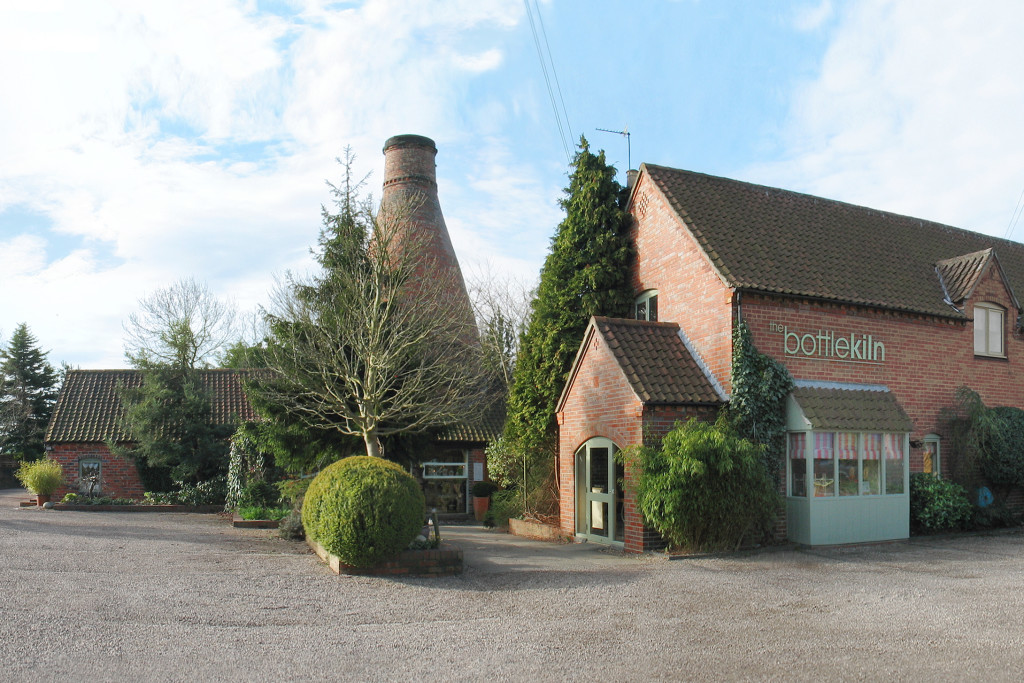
(600, 510)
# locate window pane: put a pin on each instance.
(995, 332)
(652, 308)
(824, 465)
(846, 451)
(641, 310)
(894, 463)
(980, 325)
(931, 458)
(797, 465)
(870, 485)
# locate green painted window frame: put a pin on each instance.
(644, 304)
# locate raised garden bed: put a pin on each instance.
(239, 523)
(443, 561)
(202, 509)
(528, 528)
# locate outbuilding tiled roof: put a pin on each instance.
(776, 241)
(656, 363)
(481, 427)
(88, 408)
(852, 409)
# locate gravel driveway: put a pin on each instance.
(175, 597)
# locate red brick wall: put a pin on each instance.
(926, 359)
(118, 476)
(690, 292)
(599, 403)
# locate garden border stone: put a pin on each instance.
(443, 561)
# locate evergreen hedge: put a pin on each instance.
(363, 510)
(705, 488)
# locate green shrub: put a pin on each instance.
(72, 498)
(261, 512)
(483, 489)
(705, 488)
(41, 477)
(259, 494)
(505, 505)
(363, 510)
(937, 504)
(294, 490)
(209, 492)
(291, 526)
(995, 516)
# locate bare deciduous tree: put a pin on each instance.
(183, 325)
(501, 305)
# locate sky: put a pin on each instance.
(145, 141)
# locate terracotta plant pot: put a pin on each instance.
(480, 507)
(42, 498)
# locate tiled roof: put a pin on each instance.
(655, 362)
(959, 275)
(484, 426)
(89, 409)
(852, 409)
(770, 240)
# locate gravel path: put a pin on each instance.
(175, 597)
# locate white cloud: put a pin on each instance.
(812, 17)
(916, 109)
(171, 138)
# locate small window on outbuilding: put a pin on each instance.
(988, 330)
(646, 307)
(932, 456)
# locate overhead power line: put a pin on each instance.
(547, 79)
(1015, 216)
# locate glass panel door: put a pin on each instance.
(599, 505)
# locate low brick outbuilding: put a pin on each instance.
(88, 415)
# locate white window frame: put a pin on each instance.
(934, 440)
(983, 337)
(644, 299)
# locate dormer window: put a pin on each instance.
(988, 330)
(646, 307)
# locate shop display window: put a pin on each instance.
(893, 448)
(824, 464)
(798, 464)
(849, 471)
(847, 463)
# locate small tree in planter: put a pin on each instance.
(482, 491)
(41, 477)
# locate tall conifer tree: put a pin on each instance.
(28, 389)
(586, 273)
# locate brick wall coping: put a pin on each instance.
(443, 561)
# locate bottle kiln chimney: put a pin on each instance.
(410, 182)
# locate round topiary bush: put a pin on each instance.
(363, 510)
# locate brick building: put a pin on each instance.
(88, 415)
(878, 317)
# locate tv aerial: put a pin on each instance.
(624, 133)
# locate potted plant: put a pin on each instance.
(482, 491)
(42, 478)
